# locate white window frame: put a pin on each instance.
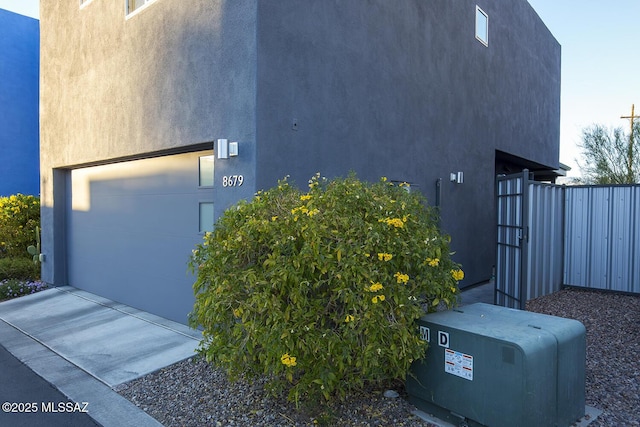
(129, 13)
(482, 38)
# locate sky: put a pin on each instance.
(23, 7)
(600, 65)
(600, 62)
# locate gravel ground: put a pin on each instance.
(192, 393)
(613, 349)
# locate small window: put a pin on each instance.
(133, 5)
(482, 26)
(206, 171)
(84, 2)
(206, 217)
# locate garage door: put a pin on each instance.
(132, 227)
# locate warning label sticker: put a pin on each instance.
(458, 364)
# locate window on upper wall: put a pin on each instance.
(482, 26)
(84, 2)
(133, 5)
(206, 171)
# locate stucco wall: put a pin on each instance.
(399, 89)
(19, 132)
(165, 78)
(403, 89)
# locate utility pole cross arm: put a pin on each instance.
(631, 118)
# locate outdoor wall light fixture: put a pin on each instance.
(233, 149)
(457, 177)
(222, 148)
(226, 149)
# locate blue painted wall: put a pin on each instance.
(19, 104)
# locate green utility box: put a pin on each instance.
(494, 366)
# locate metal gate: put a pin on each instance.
(551, 235)
(512, 237)
(530, 240)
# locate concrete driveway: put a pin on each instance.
(84, 345)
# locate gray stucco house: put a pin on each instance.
(135, 96)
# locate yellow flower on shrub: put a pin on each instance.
(457, 274)
(302, 209)
(401, 278)
(349, 318)
(375, 287)
(433, 262)
(383, 256)
(288, 360)
(396, 222)
(377, 298)
(305, 197)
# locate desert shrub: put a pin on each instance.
(19, 217)
(320, 291)
(19, 268)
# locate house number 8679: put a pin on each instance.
(232, 180)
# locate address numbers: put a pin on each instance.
(232, 180)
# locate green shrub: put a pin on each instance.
(19, 268)
(19, 217)
(320, 291)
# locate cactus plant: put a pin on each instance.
(35, 250)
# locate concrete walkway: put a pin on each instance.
(84, 345)
(478, 293)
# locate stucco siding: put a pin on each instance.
(399, 88)
(404, 90)
(167, 76)
(170, 76)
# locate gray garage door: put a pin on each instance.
(132, 227)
